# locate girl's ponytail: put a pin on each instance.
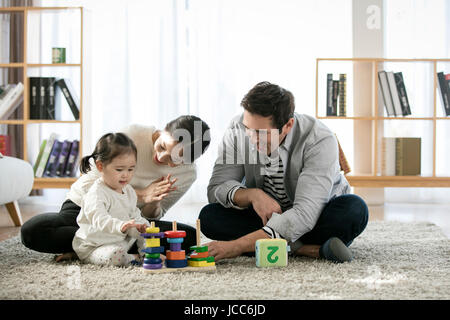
(85, 165)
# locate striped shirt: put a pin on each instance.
(274, 183)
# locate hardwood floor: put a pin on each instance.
(438, 214)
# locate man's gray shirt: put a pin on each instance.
(312, 173)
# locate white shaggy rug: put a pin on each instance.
(392, 260)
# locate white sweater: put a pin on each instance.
(146, 171)
(102, 215)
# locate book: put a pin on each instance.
(50, 167)
(388, 159)
(335, 97)
(445, 93)
(343, 95)
(384, 88)
(11, 100)
(34, 97)
(394, 93)
(63, 156)
(407, 156)
(447, 78)
(42, 98)
(72, 160)
(38, 159)
(329, 94)
(401, 89)
(5, 145)
(50, 85)
(70, 95)
(45, 155)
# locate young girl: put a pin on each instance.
(109, 220)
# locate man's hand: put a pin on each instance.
(223, 249)
(264, 205)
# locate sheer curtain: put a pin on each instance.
(420, 29)
(149, 61)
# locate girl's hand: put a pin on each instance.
(159, 189)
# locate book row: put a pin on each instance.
(57, 158)
(44, 93)
(394, 93)
(337, 95)
(401, 156)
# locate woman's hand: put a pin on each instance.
(158, 189)
(264, 205)
(131, 224)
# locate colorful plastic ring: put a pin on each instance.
(152, 230)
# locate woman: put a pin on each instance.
(165, 170)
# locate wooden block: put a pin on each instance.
(152, 266)
(151, 243)
(175, 240)
(207, 259)
(199, 254)
(176, 263)
(153, 250)
(199, 248)
(152, 255)
(153, 235)
(175, 255)
(152, 230)
(197, 263)
(271, 253)
(175, 234)
(180, 270)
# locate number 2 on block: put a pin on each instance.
(270, 257)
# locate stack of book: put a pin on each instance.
(401, 156)
(394, 93)
(57, 158)
(444, 88)
(337, 95)
(10, 98)
(44, 96)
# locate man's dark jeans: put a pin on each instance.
(344, 217)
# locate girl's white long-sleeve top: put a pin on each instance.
(146, 171)
(103, 213)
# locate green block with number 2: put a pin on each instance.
(271, 253)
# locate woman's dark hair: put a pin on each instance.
(193, 133)
(267, 99)
(107, 148)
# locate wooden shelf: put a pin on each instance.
(367, 181)
(369, 159)
(53, 183)
(43, 183)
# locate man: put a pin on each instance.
(289, 187)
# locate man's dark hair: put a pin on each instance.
(267, 99)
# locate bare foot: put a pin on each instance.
(66, 256)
